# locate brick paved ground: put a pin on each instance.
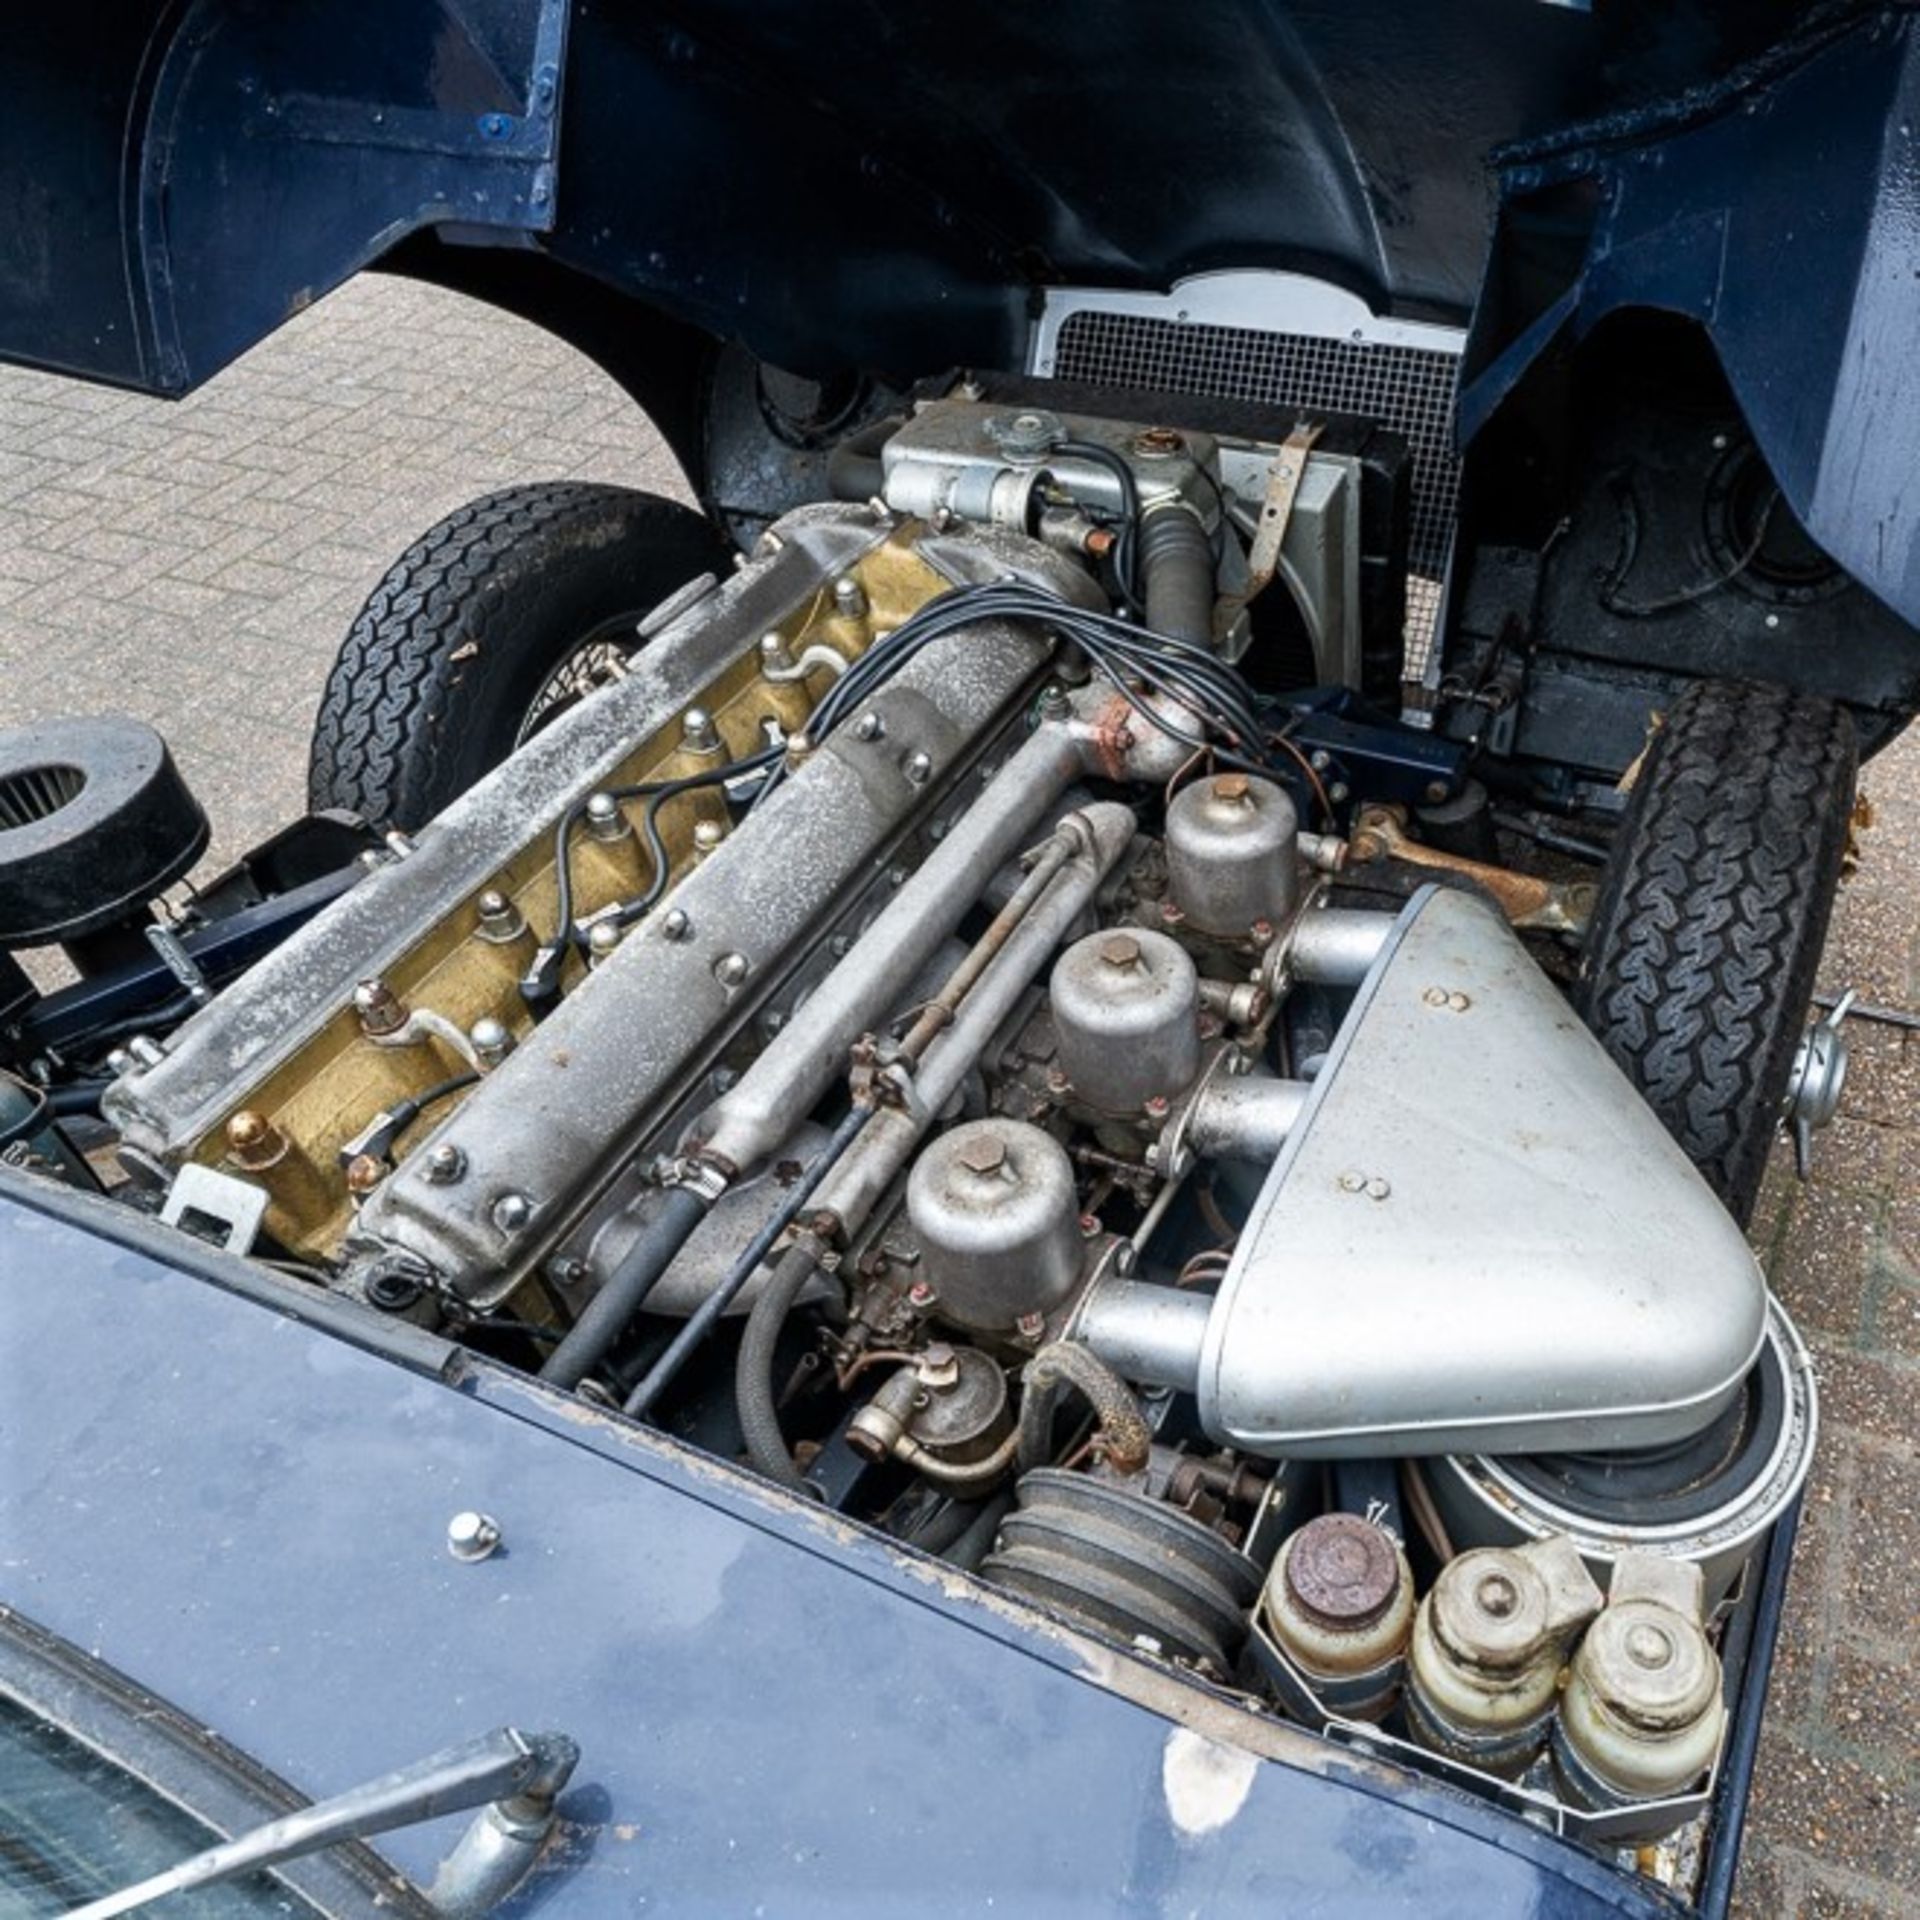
(196, 564)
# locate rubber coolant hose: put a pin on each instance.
(1067, 1364)
(753, 1373)
(1176, 574)
(608, 1314)
(854, 469)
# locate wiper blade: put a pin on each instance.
(515, 1776)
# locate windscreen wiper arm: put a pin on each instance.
(514, 1776)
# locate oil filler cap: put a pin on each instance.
(95, 821)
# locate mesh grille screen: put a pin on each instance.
(1409, 389)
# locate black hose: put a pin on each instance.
(976, 1543)
(1176, 573)
(753, 1373)
(24, 1109)
(1126, 560)
(706, 1315)
(78, 1097)
(608, 1314)
(854, 469)
(1065, 1364)
(945, 1526)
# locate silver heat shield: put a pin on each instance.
(1477, 1237)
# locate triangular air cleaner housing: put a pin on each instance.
(1478, 1237)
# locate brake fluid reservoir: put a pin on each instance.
(1339, 1602)
(1642, 1714)
(1487, 1648)
(1232, 854)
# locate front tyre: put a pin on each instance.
(1699, 965)
(508, 610)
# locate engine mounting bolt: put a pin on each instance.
(918, 768)
(920, 1295)
(1171, 914)
(602, 937)
(253, 1140)
(493, 905)
(1233, 789)
(512, 1211)
(1320, 760)
(869, 727)
(707, 834)
(1089, 1225)
(1053, 702)
(1120, 951)
(1057, 1081)
(1262, 932)
(1436, 792)
(445, 1164)
(492, 1040)
(381, 1010)
(983, 1155)
(698, 734)
(1031, 1326)
(364, 1173)
(731, 969)
(849, 597)
(675, 925)
(605, 821)
(1339, 793)
(896, 876)
(473, 1536)
(1156, 1106)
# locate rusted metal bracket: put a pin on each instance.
(1529, 902)
(1283, 489)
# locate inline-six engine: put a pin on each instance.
(916, 1031)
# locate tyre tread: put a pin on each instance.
(1700, 961)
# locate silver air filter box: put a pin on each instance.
(1477, 1238)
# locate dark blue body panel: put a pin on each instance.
(246, 1513)
(850, 185)
(1783, 215)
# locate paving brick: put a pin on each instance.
(1824, 1894)
(1821, 1267)
(1869, 1393)
(1874, 1705)
(1842, 1814)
